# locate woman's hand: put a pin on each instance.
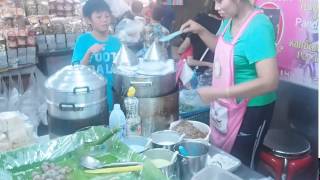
(206, 93)
(189, 61)
(206, 36)
(192, 26)
(209, 93)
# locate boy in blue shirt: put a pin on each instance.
(97, 48)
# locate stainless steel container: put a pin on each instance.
(166, 139)
(154, 79)
(195, 160)
(170, 169)
(146, 86)
(75, 93)
(156, 113)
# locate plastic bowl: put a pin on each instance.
(137, 144)
(215, 173)
(199, 125)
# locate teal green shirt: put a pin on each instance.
(256, 43)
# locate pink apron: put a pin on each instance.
(226, 114)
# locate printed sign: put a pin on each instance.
(296, 26)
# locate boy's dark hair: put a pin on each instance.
(157, 13)
(94, 6)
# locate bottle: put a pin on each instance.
(117, 119)
(133, 119)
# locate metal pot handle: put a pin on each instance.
(69, 107)
(141, 83)
(184, 161)
(80, 90)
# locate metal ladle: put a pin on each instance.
(90, 162)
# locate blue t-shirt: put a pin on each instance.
(102, 61)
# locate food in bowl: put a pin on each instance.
(189, 130)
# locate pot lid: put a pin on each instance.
(125, 57)
(156, 52)
(73, 78)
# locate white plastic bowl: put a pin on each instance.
(199, 125)
(214, 173)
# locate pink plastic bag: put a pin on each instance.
(181, 62)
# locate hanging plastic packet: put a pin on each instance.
(3, 95)
(14, 95)
(188, 76)
(205, 79)
(29, 102)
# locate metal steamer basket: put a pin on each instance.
(76, 98)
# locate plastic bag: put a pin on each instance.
(118, 7)
(3, 95)
(187, 76)
(129, 31)
(190, 100)
(205, 79)
(14, 95)
(42, 109)
(15, 130)
(29, 102)
(42, 113)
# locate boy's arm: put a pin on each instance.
(82, 54)
(86, 58)
(93, 49)
(79, 50)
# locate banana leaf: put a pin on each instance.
(67, 151)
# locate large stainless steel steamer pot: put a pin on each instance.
(154, 79)
(75, 92)
(146, 85)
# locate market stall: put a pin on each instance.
(64, 156)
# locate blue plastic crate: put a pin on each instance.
(201, 115)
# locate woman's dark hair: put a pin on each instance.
(94, 6)
(211, 9)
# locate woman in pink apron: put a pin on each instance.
(244, 79)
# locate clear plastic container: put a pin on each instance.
(224, 161)
(117, 119)
(132, 108)
(215, 173)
